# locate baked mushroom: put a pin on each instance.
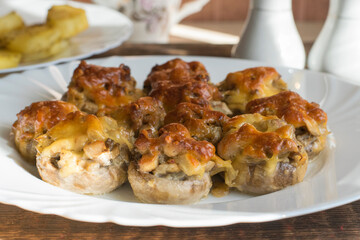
(178, 81)
(202, 122)
(240, 87)
(84, 154)
(176, 70)
(171, 94)
(172, 168)
(93, 87)
(308, 118)
(264, 152)
(145, 113)
(36, 120)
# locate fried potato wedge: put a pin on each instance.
(32, 39)
(10, 22)
(9, 59)
(56, 48)
(68, 20)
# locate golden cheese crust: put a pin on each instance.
(177, 81)
(95, 87)
(84, 154)
(308, 118)
(241, 87)
(265, 153)
(174, 143)
(176, 70)
(196, 92)
(35, 120)
(202, 123)
(263, 123)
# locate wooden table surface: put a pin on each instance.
(341, 222)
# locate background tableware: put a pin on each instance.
(316, 54)
(337, 49)
(107, 29)
(270, 35)
(153, 19)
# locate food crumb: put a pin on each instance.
(219, 188)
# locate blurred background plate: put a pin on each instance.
(331, 180)
(107, 29)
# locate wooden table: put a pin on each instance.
(340, 222)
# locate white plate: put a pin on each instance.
(331, 181)
(107, 29)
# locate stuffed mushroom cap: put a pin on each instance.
(145, 113)
(243, 86)
(172, 168)
(36, 120)
(176, 70)
(93, 88)
(202, 122)
(264, 152)
(84, 154)
(308, 118)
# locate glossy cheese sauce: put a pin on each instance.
(219, 187)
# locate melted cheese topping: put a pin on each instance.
(293, 109)
(243, 86)
(175, 145)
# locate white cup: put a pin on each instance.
(153, 19)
